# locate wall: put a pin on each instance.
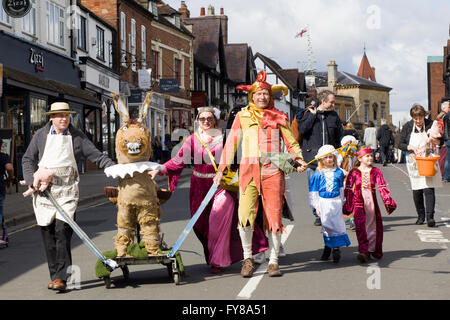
(436, 87)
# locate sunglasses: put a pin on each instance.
(209, 119)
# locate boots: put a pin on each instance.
(336, 255)
(326, 253)
(430, 220)
(421, 218)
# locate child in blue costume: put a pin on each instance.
(326, 195)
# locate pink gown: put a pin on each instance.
(361, 200)
(217, 226)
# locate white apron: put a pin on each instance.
(58, 156)
(420, 182)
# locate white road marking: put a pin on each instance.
(446, 221)
(251, 285)
(406, 173)
(433, 236)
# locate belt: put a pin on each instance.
(203, 175)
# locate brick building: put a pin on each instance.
(152, 50)
(436, 87)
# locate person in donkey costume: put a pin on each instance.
(137, 199)
(260, 129)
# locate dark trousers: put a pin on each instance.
(421, 206)
(57, 238)
(384, 150)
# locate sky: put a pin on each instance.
(398, 36)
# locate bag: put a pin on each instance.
(230, 181)
(294, 125)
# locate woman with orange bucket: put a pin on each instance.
(414, 140)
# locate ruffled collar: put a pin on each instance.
(269, 117)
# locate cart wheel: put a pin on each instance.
(126, 273)
(107, 280)
(176, 278)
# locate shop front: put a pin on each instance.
(34, 77)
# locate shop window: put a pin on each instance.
(38, 118)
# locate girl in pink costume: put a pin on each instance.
(361, 200)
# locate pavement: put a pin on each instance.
(18, 210)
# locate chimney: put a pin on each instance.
(221, 12)
(184, 11)
(202, 12)
(211, 10)
(332, 75)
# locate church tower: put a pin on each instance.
(365, 70)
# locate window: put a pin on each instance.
(133, 44)
(375, 110)
(100, 43)
(123, 39)
(366, 113)
(55, 24)
(383, 113)
(155, 63)
(143, 47)
(177, 21)
(81, 32)
(4, 16)
(177, 70)
(347, 113)
(29, 22)
(153, 8)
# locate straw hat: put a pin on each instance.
(325, 149)
(59, 107)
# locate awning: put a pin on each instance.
(32, 82)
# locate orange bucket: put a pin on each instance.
(425, 165)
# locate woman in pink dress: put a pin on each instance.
(217, 226)
(361, 200)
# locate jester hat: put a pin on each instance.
(260, 84)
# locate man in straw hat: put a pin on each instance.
(259, 127)
(52, 157)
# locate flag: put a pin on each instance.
(300, 34)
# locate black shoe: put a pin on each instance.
(326, 253)
(384, 164)
(336, 255)
(317, 222)
(421, 219)
(430, 220)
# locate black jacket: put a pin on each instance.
(385, 136)
(405, 134)
(311, 126)
(447, 126)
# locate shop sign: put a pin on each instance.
(37, 59)
(17, 8)
(169, 85)
(145, 78)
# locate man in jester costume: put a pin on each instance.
(260, 129)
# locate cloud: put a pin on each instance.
(398, 35)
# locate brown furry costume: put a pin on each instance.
(137, 199)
